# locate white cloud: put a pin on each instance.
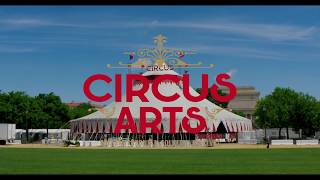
(275, 32)
(154, 22)
(232, 72)
(23, 22)
(241, 52)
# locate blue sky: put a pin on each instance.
(54, 49)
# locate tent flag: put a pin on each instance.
(131, 56)
(181, 54)
(213, 128)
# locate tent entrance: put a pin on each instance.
(221, 129)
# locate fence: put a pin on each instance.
(282, 142)
(250, 137)
(307, 142)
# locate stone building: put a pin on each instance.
(245, 101)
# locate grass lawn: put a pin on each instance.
(166, 161)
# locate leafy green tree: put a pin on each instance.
(275, 110)
(55, 113)
(4, 107)
(17, 106)
(285, 108)
(317, 121)
(43, 111)
(285, 99)
(81, 110)
(306, 114)
(239, 113)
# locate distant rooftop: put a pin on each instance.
(239, 87)
(75, 104)
(241, 90)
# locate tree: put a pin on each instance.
(285, 101)
(43, 111)
(81, 110)
(317, 121)
(306, 116)
(16, 107)
(4, 107)
(276, 110)
(54, 114)
(266, 116)
(239, 113)
(285, 108)
(211, 99)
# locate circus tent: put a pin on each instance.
(104, 120)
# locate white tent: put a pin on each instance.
(105, 122)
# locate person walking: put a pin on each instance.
(268, 142)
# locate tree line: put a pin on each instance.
(284, 108)
(44, 111)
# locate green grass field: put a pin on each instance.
(166, 161)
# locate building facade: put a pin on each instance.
(245, 101)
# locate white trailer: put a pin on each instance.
(7, 133)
